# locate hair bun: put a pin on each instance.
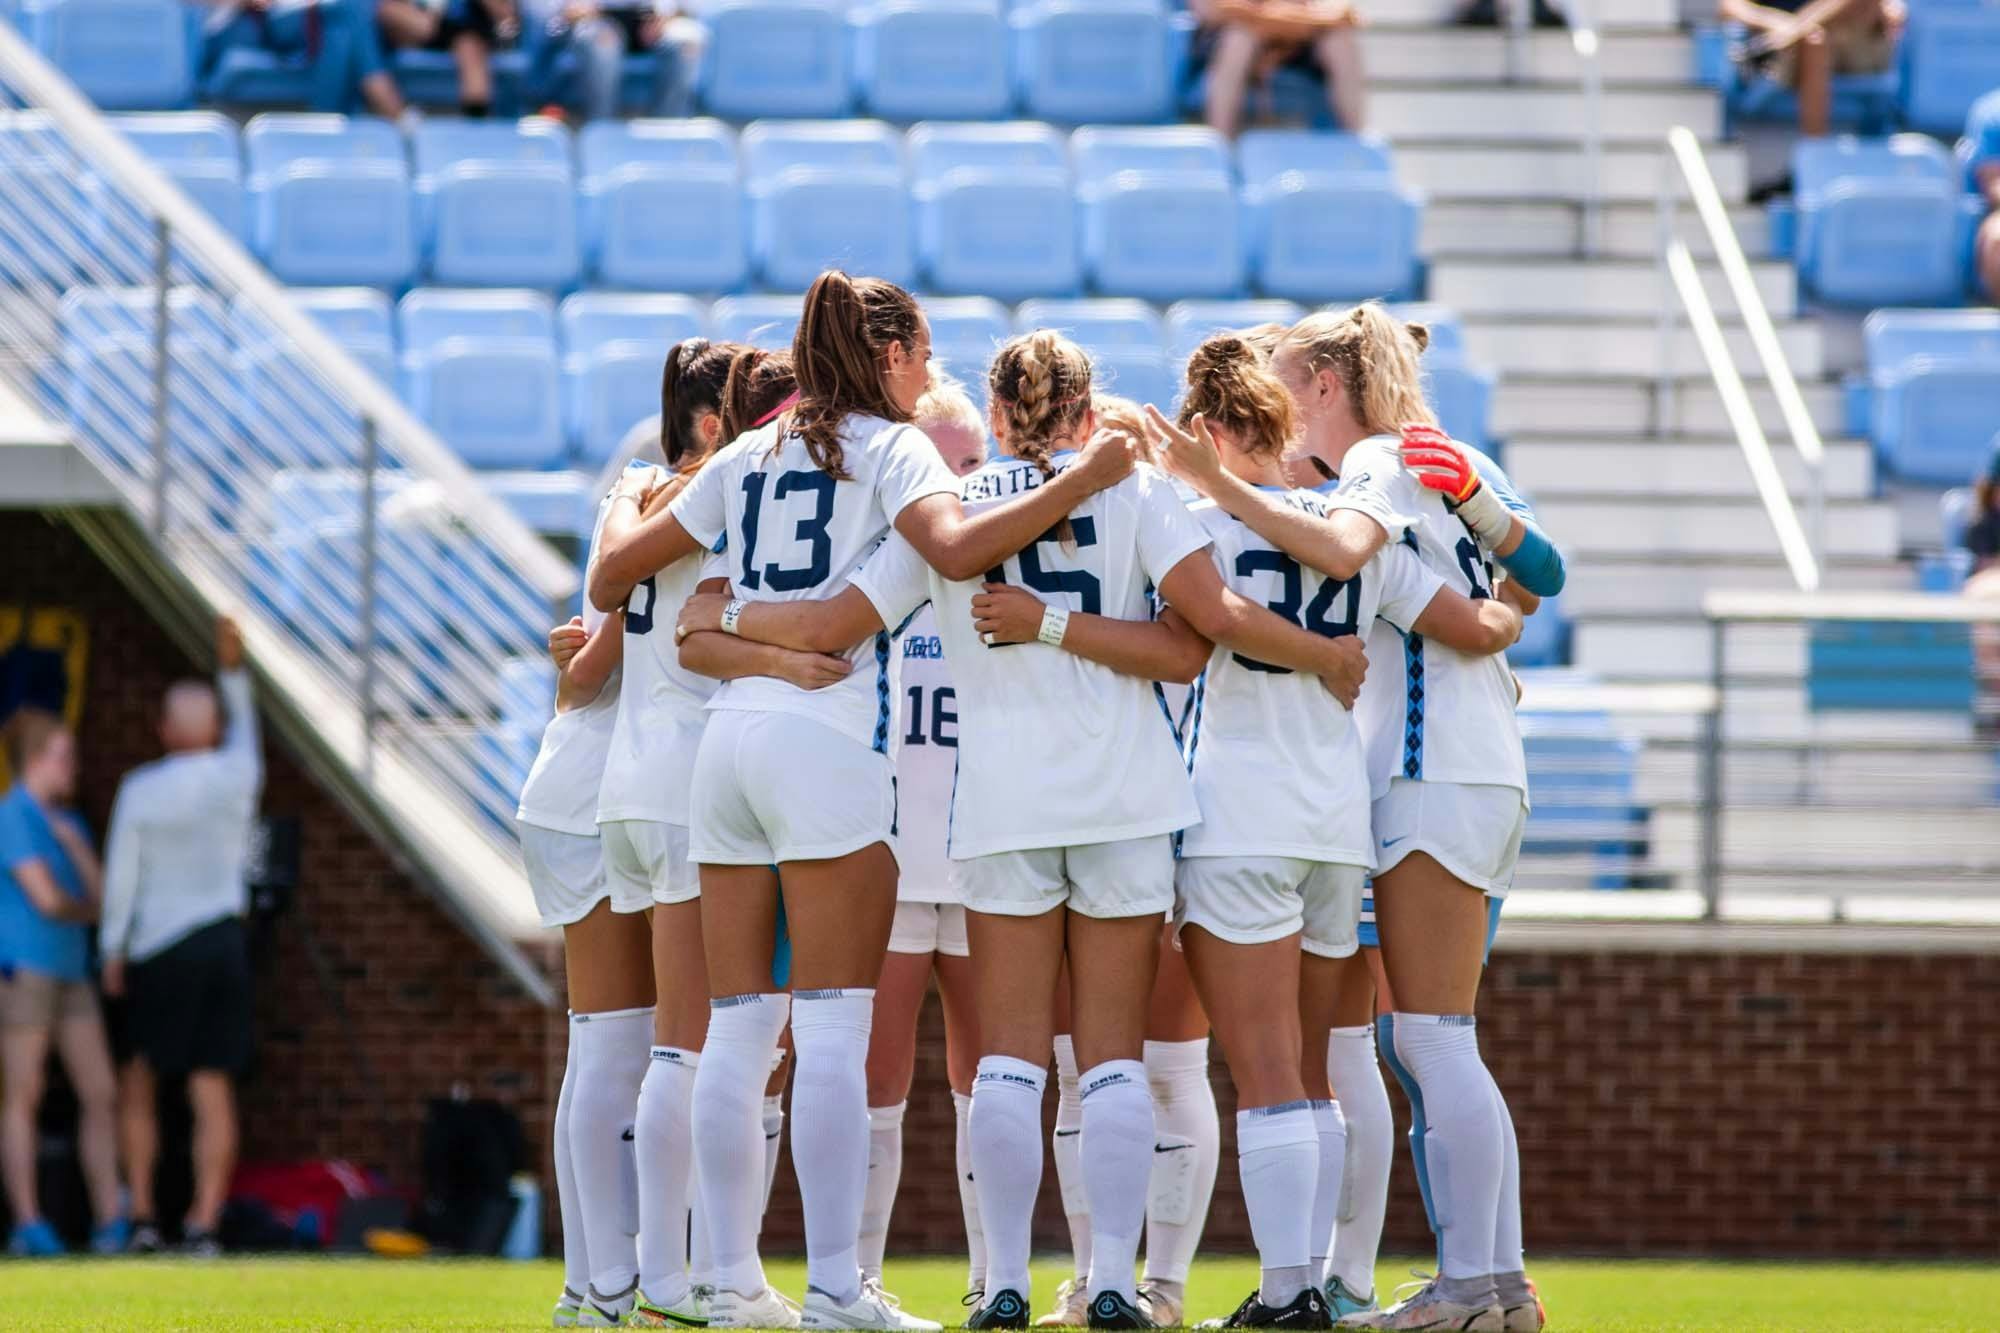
(1419, 334)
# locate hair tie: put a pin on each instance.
(766, 418)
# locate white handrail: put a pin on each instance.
(1583, 39)
(114, 158)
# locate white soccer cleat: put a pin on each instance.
(1427, 1309)
(1072, 1308)
(1525, 1316)
(873, 1308)
(767, 1309)
(568, 1306)
(690, 1311)
(1162, 1307)
(596, 1311)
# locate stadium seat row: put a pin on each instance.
(1073, 61)
(511, 380)
(1009, 210)
(1932, 397)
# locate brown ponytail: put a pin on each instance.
(1376, 359)
(759, 383)
(1230, 386)
(844, 333)
(691, 384)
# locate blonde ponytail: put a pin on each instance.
(1376, 360)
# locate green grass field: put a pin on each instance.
(445, 1294)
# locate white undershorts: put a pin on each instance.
(565, 873)
(1257, 899)
(1131, 877)
(1473, 830)
(646, 861)
(775, 787)
(929, 928)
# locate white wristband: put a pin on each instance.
(1489, 519)
(1055, 623)
(732, 614)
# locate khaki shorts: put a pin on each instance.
(1857, 49)
(37, 1000)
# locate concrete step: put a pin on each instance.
(1938, 839)
(1834, 774)
(1450, 166)
(1618, 348)
(1610, 288)
(1706, 466)
(1651, 586)
(1563, 404)
(1513, 114)
(1533, 229)
(1399, 54)
(1656, 14)
(1652, 525)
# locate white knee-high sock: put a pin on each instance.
(1331, 1130)
(830, 1145)
(774, 1138)
(665, 1158)
(701, 1255)
(1463, 1145)
(611, 1056)
(1187, 1142)
(1006, 1126)
(728, 1141)
(576, 1254)
(1277, 1154)
(1356, 1076)
(885, 1172)
(1067, 1144)
(1508, 1265)
(968, 1195)
(1117, 1160)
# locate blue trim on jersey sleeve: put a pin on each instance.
(1413, 715)
(882, 691)
(1536, 564)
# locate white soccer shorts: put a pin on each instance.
(565, 874)
(1257, 899)
(646, 861)
(1108, 880)
(774, 787)
(929, 928)
(1473, 830)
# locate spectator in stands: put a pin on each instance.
(1803, 43)
(1486, 14)
(601, 32)
(1249, 40)
(173, 939)
(1982, 164)
(1982, 529)
(50, 890)
(336, 36)
(471, 30)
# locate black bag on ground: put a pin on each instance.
(471, 1150)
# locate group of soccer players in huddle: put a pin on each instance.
(1114, 732)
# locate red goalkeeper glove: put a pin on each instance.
(1437, 461)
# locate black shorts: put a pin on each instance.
(189, 1007)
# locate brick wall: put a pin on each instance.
(1667, 1102)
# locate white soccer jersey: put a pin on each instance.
(1428, 712)
(794, 533)
(561, 790)
(926, 739)
(661, 704)
(1277, 763)
(1055, 751)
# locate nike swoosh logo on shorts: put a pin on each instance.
(1391, 842)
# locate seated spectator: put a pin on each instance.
(1982, 540)
(336, 37)
(602, 32)
(470, 30)
(1802, 44)
(1982, 529)
(1982, 133)
(50, 890)
(1486, 14)
(1248, 40)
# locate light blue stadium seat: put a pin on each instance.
(614, 346)
(777, 58)
(1888, 665)
(1021, 145)
(1951, 57)
(762, 321)
(1079, 61)
(1100, 151)
(281, 401)
(498, 202)
(1188, 322)
(199, 151)
(1142, 374)
(941, 58)
(965, 332)
(1318, 236)
(1583, 778)
(555, 504)
(1447, 333)
(1094, 324)
(1461, 395)
(662, 207)
(772, 146)
(1545, 637)
(806, 219)
(1162, 234)
(348, 313)
(482, 369)
(330, 200)
(124, 55)
(1264, 154)
(1011, 233)
(1934, 377)
(41, 192)
(1881, 222)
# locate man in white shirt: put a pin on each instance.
(172, 936)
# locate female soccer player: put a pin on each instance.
(1068, 788)
(1449, 801)
(802, 779)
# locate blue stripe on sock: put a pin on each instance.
(1385, 1042)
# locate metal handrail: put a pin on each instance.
(1583, 39)
(1680, 278)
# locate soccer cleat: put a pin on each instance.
(35, 1240)
(111, 1237)
(1110, 1309)
(1341, 1300)
(1427, 1308)
(871, 1308)
(199, 1243)
(1160, 1306)
(767, 1309)
(1306, 1310)
(1072, 1306)
(599, 1311)
(145, 1239)
(1528, 1316)
(1005, 1309)
(687, 1312)
(568, 1306)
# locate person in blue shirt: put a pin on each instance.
(50, 890)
